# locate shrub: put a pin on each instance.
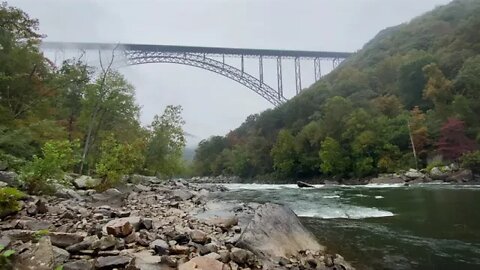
(9, 201)
(40, 175)
(471, 161)
(116, 160)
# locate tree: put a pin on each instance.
(283, 154)
(334, 159)
(453, 142)
(166, 143)
(438, 89)
(207, 156)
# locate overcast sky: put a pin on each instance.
(212, 104)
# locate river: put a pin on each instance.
(434, 226)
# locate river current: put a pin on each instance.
(433, 226)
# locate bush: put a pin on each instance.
(116, 160)
(9, 201)
(40, 175)
(471, 161)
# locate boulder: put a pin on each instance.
(301, 184)
(438, 174)
(64, 240)
(85, 244)
(460, 176)
(241, 256)
(182, 195)
(42, 257)
(203, 262)
(224, 222)
(67, 193)
(144, 260)
(3, 184)
(110, 262)
(9, 177)
(78, 265)
(275, 231)
(104, 243)
(119, 227)
(86, 182)
(111, 196)
(61, 255)
(414, 174)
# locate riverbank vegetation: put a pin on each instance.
(408, 99)
(74, 118)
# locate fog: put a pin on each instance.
(213, 104)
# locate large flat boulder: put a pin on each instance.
(276, 231)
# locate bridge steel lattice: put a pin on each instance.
(207, 58)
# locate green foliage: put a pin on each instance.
(9, 200)
(40, 233)
(43, 172)
(334, 159)
(471, 161)
(283, 154)
(117, 160)
(165, 146)
(5, 257)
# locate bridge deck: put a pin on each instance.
(201, 50)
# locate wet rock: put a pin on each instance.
(160, 246)
(387, 179)
(86, 182)
(301, 184)
(64, 240)
(119, 227)
(198, 236)
(78, 265)
(275, 231)
(202, 262)
(110, 262)
(85, 244)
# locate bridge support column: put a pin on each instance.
(260, 69)
(243, 65)
(298, 77)
(279, 77)
(317, 68)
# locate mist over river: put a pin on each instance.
(433, 226)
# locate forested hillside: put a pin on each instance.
(74, 118)
(415, 86)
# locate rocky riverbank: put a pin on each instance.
(154, 225)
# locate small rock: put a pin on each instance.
(214, 256)
(160, 246)
(179, 250)
(240, 256)
(202, 262)
(198, 236)
(147, 223)
(78, 265)
(86, 182)
(182, 195)
(85, 244)
(64, 240)
(111, 262)
(119, 227)
(105, 242)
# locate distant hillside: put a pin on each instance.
(355, 122)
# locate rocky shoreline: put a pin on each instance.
(150, 225)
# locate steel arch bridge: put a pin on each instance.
(206, 58)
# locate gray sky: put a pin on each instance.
(212, 104)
